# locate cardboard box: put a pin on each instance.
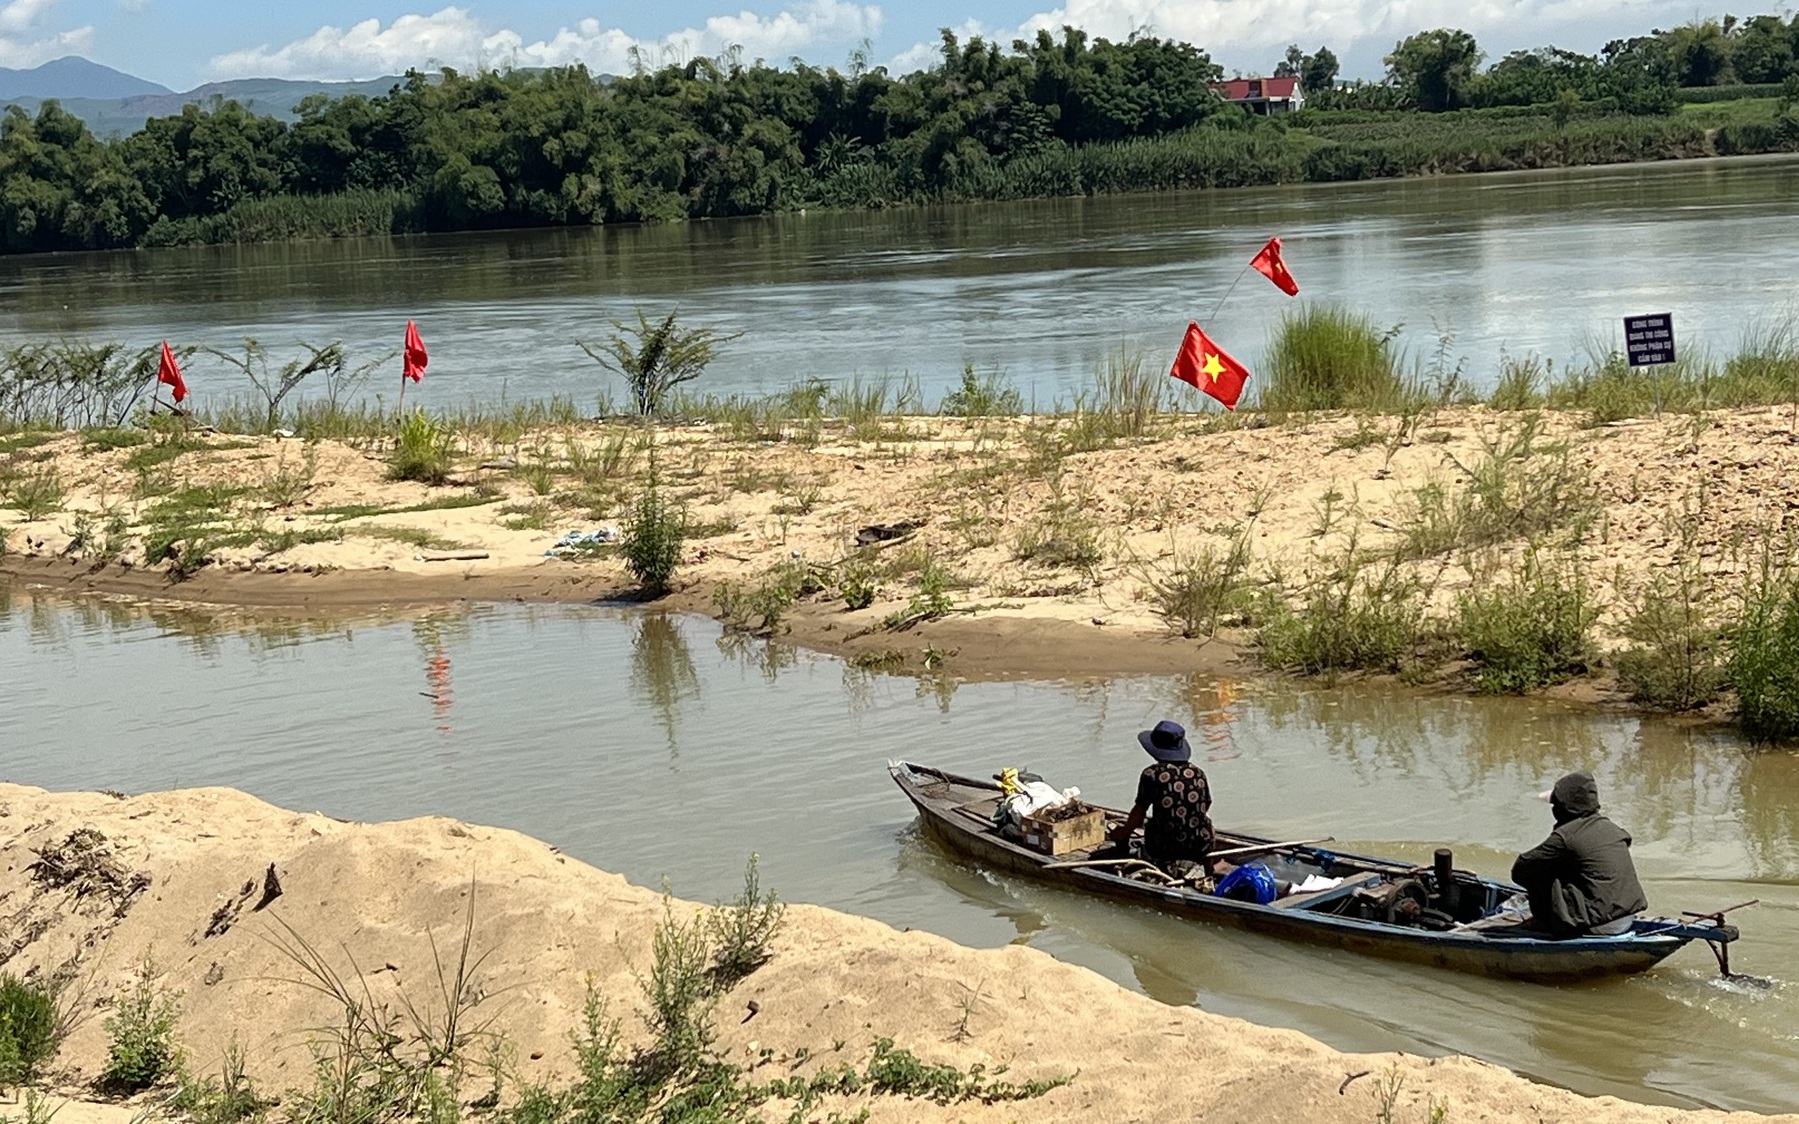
(1082, 831)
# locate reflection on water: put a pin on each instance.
(653, 745)
(662, 671)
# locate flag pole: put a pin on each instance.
(1227, 293)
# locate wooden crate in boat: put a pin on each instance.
(1078, 831)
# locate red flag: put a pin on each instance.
(1204, 365)
(168, 374)
(415, 358)
(1269, 264)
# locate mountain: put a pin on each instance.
(275, 97)
(115, 103)
(73, 77)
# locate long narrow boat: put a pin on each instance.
(1364, 911)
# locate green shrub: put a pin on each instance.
(141, 1049)
(422, 450)
(1325, 357)
(679, 994)
(654, 358)
(1764, 661)
(759, 608)
(36, 493)
(652, 538)
(1530, 631)
(28, 1030)
(1353, 618)
(1673, 660)
(981, 397)
(856, 587)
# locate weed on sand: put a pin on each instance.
(1354, 615)
(1531, 629)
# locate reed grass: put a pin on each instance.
(1325, 357)
(357, 213)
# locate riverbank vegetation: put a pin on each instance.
(718, 137)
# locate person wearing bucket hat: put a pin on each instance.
(1174, 801)
(1581, 879)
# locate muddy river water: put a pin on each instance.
(1546, 262)
(653, 746)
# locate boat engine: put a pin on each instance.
(1401, 901)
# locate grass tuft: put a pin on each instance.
(422, 450)
(1325, 357)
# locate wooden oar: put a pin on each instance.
(1072, 864)
(1259, 847)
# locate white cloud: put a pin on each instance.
(1242, 30)
(21, 15)
(454, 37)
(24, 54)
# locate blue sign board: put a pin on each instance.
(1649, 340)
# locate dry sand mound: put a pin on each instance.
(91, 884)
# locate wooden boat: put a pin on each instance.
(1367, 911)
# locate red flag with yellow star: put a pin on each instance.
(1203, 365)
(1269, 264)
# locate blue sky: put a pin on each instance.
(182, 43)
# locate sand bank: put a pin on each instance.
(1052, 557)
(192, 868)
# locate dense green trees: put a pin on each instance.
(1435, 68)
(1064, 114)
(709, 138)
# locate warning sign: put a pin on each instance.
(1649, 340)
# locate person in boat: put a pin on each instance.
(1581, 879)
(1173, 802)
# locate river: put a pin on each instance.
(654, 746)
(1547, 262)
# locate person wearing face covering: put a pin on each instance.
(1580, 880)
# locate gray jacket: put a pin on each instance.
(1582, 875)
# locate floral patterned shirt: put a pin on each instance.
(1178, 799)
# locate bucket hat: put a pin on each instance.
(1167, 742)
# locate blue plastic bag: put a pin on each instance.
(1249, 883)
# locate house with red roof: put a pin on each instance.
(1263, 95)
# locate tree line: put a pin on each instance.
(717, 137)
(1438, 70)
